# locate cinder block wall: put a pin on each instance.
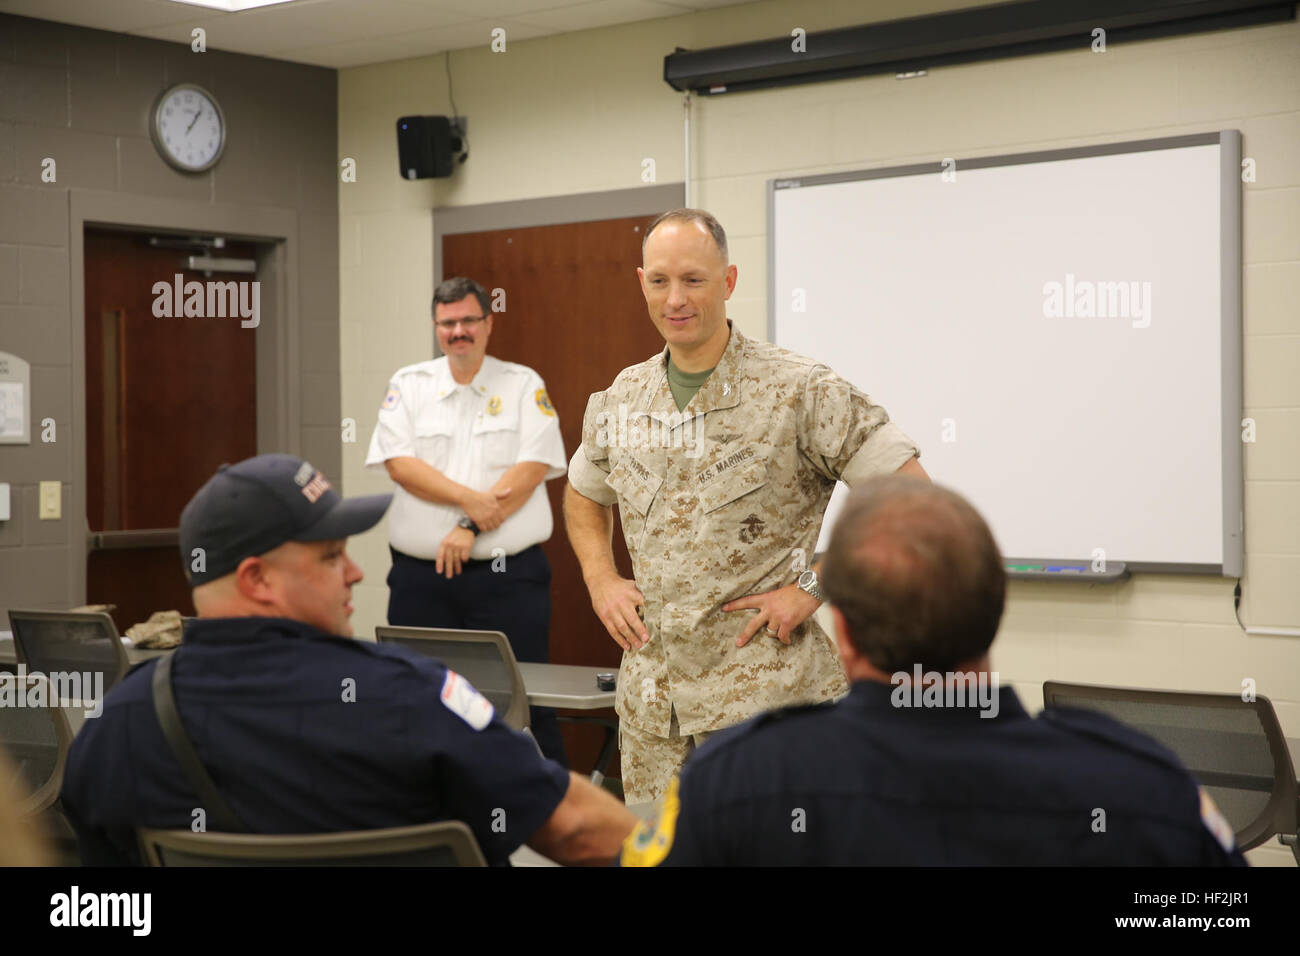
(83, 98)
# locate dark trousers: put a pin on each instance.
(515, 601)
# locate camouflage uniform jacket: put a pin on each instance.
(719, 501)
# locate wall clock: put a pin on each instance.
(188, 128)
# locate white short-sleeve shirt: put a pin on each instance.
(472, 434)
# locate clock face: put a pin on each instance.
(188, 128)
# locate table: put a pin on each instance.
(574, 687)
(134, 655)
(566, 685)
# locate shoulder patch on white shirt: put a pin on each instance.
(392, 398)
(460, 697)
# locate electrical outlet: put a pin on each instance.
(51, 500)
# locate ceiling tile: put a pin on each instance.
(419, 43)
(600, 13)
(345, 33)
(311, 23)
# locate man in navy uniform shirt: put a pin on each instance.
(927, 761)
(302, 728)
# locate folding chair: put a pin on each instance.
(73, 642)
(37, 741)
(1234, 748)
(446, 843)
(484, 658)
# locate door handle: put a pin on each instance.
(132, 540)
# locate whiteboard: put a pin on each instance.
(1059, 332)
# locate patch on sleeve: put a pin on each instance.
(1214, 822)
(544, 402)
(460, 697)
(392, 398)
(652, 840)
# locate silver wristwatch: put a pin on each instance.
(809, 584)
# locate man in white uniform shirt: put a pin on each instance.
(470, 441)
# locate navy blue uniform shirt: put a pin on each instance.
(861, 781)
(265, 701)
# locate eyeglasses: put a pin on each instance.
(469, 322)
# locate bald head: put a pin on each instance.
(916, 574)
(698, 218)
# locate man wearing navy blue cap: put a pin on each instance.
(300, 728)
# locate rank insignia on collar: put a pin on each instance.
(494, 405)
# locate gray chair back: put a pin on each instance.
(71, 642)
(1234, 748)
(446, 843)
(37, 739)
(484, 658)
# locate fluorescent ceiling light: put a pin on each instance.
(232, 6)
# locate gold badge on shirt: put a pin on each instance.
(544, 402)
(494, 405)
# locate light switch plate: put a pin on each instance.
(51, 500)
(4, 501)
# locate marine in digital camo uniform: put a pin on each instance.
(720, 501)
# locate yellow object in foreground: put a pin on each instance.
(652, 840)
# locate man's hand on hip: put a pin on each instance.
(615, 599)
(780, 611)
(454, 552)
(484, 508)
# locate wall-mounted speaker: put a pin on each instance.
(427, 147)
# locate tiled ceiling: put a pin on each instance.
(342, 33)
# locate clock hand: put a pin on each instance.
(197, 114)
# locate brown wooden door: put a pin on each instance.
(575, 314)
(167, 401)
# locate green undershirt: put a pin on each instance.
(684, 385)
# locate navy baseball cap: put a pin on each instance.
(254, 506)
